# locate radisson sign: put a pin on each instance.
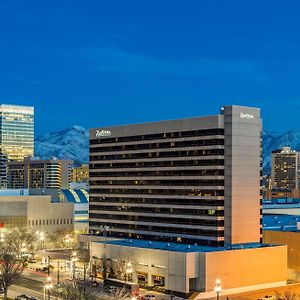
(246, 116)
(102, 132)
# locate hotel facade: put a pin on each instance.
(36, 173)
(192, 182)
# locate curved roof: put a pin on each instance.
(75, 196)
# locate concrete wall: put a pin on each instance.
(292, 240)
(246, 267)
(41, 209)
(242, 174)
(13, 211)
(23, 210)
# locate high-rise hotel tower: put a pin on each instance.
(191, 180)
(16, 135)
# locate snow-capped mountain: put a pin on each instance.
(73, 143)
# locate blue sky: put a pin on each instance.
(94, 63)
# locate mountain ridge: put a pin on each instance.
(73, 143)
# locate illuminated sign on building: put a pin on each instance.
(246, 116)
(103, 133)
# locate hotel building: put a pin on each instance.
(34, 173)
(285, 169)
(16, 137)
(81, 173)
(190, 182)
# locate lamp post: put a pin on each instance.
(48, 287)
(104, 229)
(41, 238)
(2, 237)
(129, 271)
(74, 260)
(218, 288)
(58, 272)
(23, 250)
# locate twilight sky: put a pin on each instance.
(94, 62)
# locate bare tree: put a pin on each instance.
(74, 290)
(63, 239)
(18, 240)
(124, 269)
(11, 269)
(119, 294)
(287, 295)
(84, 258)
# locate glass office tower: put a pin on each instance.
(16, 136)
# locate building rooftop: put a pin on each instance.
(281, 203)
(75, 196)
(178, 247)
(280, 222)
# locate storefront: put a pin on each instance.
(142, 278)
(158, 280)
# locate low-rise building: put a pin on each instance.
(60, 210)
(80, 200)
(281, 206)
(184, 269)
(38, 213)
(284, 229)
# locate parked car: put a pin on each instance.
(148, 297)
(44, 269)
(94, 283)
(268, 297)
(32, 260)
(22, 297)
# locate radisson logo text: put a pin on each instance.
(103, 133)
(246, 116)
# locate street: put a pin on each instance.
(16, 290)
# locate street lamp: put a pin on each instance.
(218, 288)
(41, 237)
(48, 287)
(104, 229)
(23, 250)
(68, 240)
(2, 237)
(128, 271)
(74, 260)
